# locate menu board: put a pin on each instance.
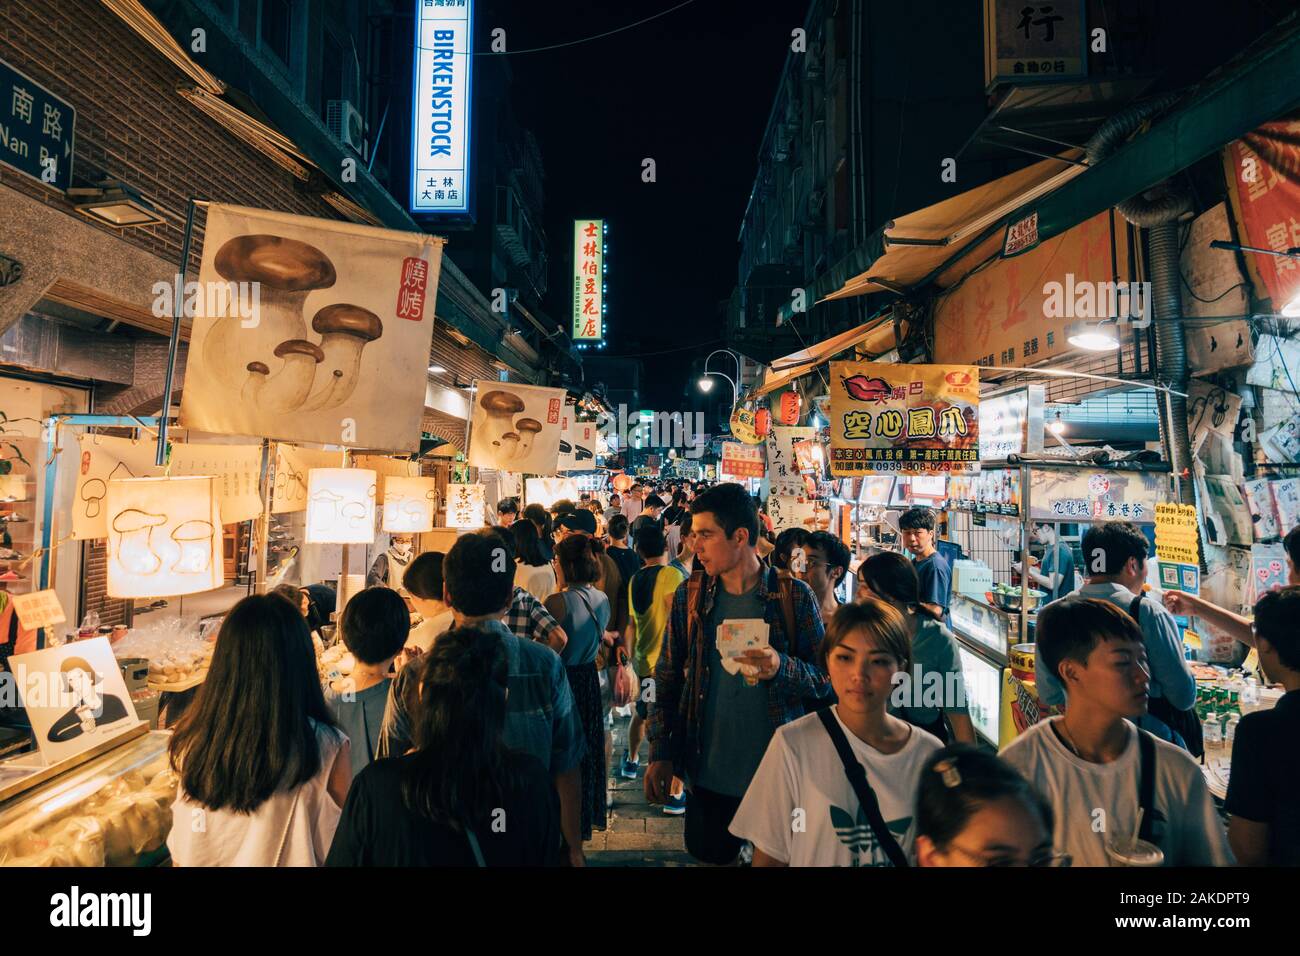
(1090, 494)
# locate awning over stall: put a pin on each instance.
(874, 336)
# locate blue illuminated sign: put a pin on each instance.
(440, 106)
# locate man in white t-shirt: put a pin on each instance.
(1089, 763)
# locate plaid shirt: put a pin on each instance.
(798, 678)
(528, 618)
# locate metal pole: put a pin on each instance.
(1173, 465)
(173, 344)
(1024, 554)
(262, 525)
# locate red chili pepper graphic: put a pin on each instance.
(865, 389)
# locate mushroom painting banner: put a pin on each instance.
(516, 427)
(310, 330)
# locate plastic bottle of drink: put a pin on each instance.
(1230, 730)
(1250, 695)
(1212, 731)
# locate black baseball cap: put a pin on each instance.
(580, 520)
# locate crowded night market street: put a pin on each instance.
(649, 438)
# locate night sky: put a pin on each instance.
(692, 90)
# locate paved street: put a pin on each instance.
(637, 834)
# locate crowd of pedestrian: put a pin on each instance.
(768, 693)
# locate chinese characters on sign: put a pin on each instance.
(589, 280)
(784, 474)
(36, 130)
(1027, 41)
(440, 121)
(465, 506)
(743, 461)
(903, 418)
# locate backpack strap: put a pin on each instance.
(1146, 783)
(785, 583)
(1135, 610)
(857, 775)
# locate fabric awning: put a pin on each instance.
(876, 336)
(902, 253)
(1256, 87)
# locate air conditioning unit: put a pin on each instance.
(346, 125)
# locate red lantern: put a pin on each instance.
(622, 482)
(790, 408)
(762, 422)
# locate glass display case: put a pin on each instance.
(983, 679)
(114, 810)
(988, 628)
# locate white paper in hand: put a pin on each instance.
(737, 636)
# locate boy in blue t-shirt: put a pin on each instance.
(916, 527)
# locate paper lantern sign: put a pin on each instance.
(341, 506)
(622, 482)
(762, 422)
(547, 491)
(409, 504)
(465, 506)
(790, 408)
(164, 537)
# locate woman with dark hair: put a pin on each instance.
(459, 797)
(787, 542)
(583, 612)
(813, 770)
(541, 519)
(974, 809)
(535, 575)
(891, 577)
(259, 758)
(683, 559)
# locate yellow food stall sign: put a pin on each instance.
(1176, 533)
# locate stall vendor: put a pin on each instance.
(1056, 572)
(389, 567)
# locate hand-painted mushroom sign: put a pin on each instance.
(516, 428)
(336, 350)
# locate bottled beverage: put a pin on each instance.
(1234, 703)
(1230, 730)
(1212, 731)
(1250, 695)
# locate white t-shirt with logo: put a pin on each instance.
(802, 772)
(1092, 800)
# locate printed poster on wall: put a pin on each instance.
(792, 511)
(74, 696)
(238, 470)
(516, 427)
(1227, 514)
(289, 489)
(322, 335)
(783, 472)
(742, 461)
(1286, 501)
(103, 458)
(916, 419)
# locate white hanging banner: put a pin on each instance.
(310, 330)
(103, 458)
(292, 464)
(516, 427)
(237, 469)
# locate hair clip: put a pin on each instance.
(948, 770)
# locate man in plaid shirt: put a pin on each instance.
(708, 724)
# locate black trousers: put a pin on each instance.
(708, 814)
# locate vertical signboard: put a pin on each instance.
(588, 280)
(440, 106)
(1034, 43)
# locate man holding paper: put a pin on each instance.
(748, 639)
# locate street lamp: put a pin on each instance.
(706, 384)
